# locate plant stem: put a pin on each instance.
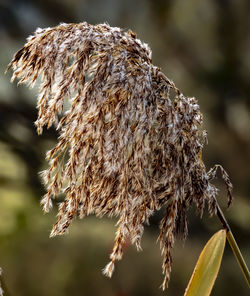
(234, 246)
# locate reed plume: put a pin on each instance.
(129, 141)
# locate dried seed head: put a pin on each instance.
(129, 141)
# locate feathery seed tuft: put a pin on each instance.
(129, 143)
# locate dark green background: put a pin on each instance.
(204, 47)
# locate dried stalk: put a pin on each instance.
(234, 246)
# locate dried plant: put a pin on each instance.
(129, 141)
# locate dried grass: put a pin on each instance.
(129, 144)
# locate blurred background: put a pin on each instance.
(204, 47)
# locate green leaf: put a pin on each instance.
(207, 266)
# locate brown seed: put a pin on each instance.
(129, 143)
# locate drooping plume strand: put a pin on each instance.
(129, 141)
